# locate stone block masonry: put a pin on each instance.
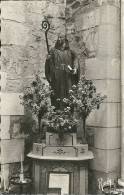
(24, 52)
(12, 147)
(23, 41)
(105, 68)
(95, 23)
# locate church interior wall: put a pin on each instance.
(24, 52)
(99, 27)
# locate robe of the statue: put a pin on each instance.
(59, 74)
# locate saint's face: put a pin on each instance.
(62, 43)
(61, 39)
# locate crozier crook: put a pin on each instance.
(46, 27)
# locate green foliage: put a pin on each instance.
(84, 98)
(59, 121)
(36, 98)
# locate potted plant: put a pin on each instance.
(83, 98)
(36, 99)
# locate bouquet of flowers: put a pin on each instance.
(83, 98)
(36, 98)
(61, 121)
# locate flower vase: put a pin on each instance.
(61, 139)
(83, 127)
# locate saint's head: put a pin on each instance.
(62, 42)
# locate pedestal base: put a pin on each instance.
(67, 174)
(60, 169)
(68, 177)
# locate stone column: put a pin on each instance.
(99, 25)
(121, 181)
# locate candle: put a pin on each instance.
(110, 183)
(22, 170)
(4, 183)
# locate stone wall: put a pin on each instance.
(23, 54)
(23, 40)
(97, 24)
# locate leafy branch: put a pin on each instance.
(36, 98)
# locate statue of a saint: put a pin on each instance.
(61, 69)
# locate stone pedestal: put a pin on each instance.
(52, 163)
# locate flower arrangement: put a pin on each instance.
(83, 98)
(36, 98)
(81, 101)
(61, 121)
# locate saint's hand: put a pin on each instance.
(74, 71)
(70, 68)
